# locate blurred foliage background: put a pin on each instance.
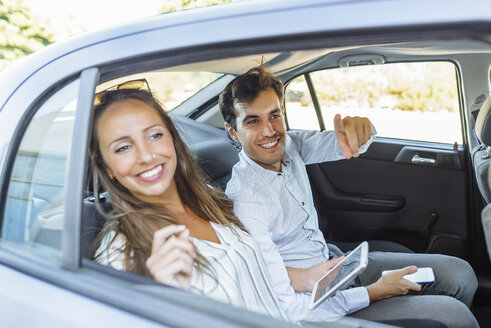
(20, 32)
(23, 32)
(175, 5)
(420, 86)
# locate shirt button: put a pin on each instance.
(303, 203)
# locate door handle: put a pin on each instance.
(431, 157)
(422, 160)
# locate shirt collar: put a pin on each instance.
(267, 174)
(286, 161)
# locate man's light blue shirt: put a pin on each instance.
(278, 211)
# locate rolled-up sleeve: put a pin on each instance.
(322, 146)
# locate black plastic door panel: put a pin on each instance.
(416, 195)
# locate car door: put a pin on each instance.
(34, 251)
(42, 178)
(41, 262)
(412, 185)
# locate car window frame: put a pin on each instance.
(76, 170)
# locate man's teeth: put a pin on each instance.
(151, 173)
(269, 145)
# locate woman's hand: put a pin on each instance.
(392, 284)
(172, 258)
(303, 280)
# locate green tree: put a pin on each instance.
(20, 33)
(175, 5)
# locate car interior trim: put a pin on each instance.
(315, 102)
(76, 170)
(136, 294)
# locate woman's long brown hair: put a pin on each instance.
(137, 220)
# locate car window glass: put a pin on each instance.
(34, 211)
(414, 101)
(300, 109)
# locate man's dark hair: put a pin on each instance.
(245, 88)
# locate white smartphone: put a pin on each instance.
(422, 276)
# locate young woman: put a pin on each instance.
(168, 223)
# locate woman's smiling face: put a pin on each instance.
(137, 149)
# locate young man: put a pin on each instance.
(273, 199)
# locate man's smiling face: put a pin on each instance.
(261, 129)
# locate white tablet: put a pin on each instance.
(352, 265)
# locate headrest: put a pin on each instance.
(216, 158)
(483, 123)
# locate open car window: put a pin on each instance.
(171, 88)
(411, 101)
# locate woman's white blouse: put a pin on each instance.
(238, 274)
(239, 270)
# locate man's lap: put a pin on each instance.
(454, 276)
(444, 309)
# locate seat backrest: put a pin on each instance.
(481, 155)
(217, 158)
(486, 226)
(92, 221)
(486, 219)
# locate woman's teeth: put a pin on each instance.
(151, 173)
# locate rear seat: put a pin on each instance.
(92, 221)
(216, 158)
(481, 155)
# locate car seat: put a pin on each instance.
(92, 222)
(482, 153)
(486, 218)
(216, 159)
